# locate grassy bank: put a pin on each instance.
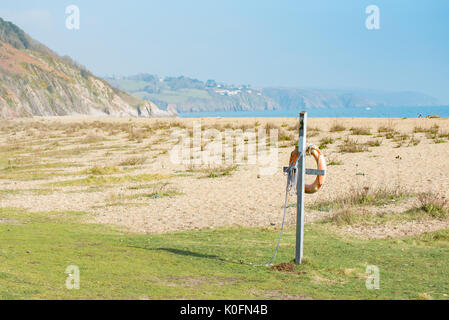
(35, 250)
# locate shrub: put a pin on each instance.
(361, 131)
(337, 128)
(351, 146)
(325, 142)
(134, 161)
(434, 205)
(374, 143)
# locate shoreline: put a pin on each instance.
(174, 119)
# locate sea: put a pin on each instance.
(373, 112)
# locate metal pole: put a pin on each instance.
(300, 187)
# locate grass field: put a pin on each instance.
(36, 249)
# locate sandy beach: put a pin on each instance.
(119, 172)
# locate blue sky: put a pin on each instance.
(319, 44)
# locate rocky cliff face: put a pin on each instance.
(34, 81)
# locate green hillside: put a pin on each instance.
(191, 95)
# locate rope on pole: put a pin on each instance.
(290, 178)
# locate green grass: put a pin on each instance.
(219, 263)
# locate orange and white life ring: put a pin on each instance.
(321, 165)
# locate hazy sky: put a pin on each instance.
(314, 43)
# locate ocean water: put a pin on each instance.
(374, 112)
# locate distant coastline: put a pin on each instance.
(371, 112)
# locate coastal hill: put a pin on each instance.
(191, 95)
(35, 81)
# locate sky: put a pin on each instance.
(308, 44)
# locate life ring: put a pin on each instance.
(321, 165)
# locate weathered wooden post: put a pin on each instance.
(300, 187)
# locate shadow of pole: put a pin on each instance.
(192, 254)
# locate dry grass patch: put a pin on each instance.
(388, 131)
(401, 138)
(178, 124)
(159, 191)
(431, 210)
(293, 127)
(134, 161)
(434, 205)
(160, 125)
(344, 217)
(102, 180)
(334, 162)
(444, 134)
(313, 132)
(137, 135)
(434, 129)
(284, 135)
(92, 137)
(213, 172)
(352, 146)
(361, 131)
(363, 196)
(153, 191)
(386, 128)
(325, 142)
(374, 143)
(413, 141)
(337, 128)
(100, 171)
(26, 176)
(405, 139)
(271, 126)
